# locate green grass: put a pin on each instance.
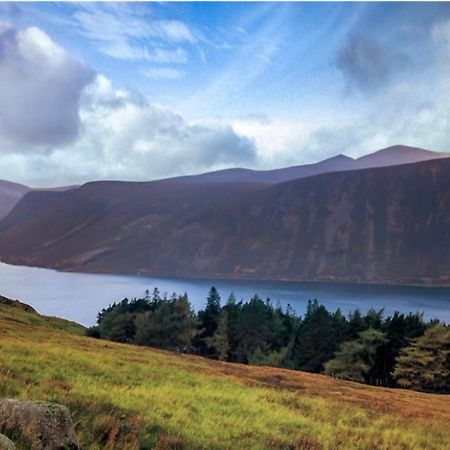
(127, 397)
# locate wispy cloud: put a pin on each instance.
(252, 55)
(133, 33)
(123, 50)
(167, 73)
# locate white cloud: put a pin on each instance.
(129, 33)
(174, 30)
(159, 55)
(49, 99)
(123, 50)
(136, 140)
(40, 88)
(167, 73)
(441, 33)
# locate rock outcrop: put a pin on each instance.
(6, 444)
(16, 304)
(38, 425)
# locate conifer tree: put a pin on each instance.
(355, 360)
(220, 341)
(424, 365)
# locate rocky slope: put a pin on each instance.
(381, 225)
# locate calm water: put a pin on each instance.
(79, 297)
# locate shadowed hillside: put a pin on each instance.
(129, 398)
(10, 194)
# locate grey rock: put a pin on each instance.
(6, 444)
(38, 425)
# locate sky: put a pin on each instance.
(141, 91)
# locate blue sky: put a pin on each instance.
(148, 90)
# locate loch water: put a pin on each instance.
(79, 297)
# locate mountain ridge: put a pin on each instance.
(11, 193)
(393, 155)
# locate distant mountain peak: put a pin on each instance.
(397, 154)
(403, 149)
(339, 157)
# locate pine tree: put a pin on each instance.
(315, 339)
(208, 322)
(220, 341)
(356, 324)
(356, 358)
(424, 365)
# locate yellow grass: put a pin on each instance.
(127, 397)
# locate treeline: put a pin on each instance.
(399, 350)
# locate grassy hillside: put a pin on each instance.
(126, 397)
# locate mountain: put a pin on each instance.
(390, 156)
(395, 155)
(11, 193)
(378, 225)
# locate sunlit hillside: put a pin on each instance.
(127, 397)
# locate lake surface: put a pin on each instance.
(80, 297)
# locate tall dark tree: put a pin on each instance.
(315, 341)
(356, 324)
(208, 322)
(232, 308)
(399, 330)
(258, 326)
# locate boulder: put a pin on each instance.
(6, 444)
(38, 425)
(16, 304)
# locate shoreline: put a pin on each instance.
(244, 279)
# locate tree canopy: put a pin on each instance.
(398, 350)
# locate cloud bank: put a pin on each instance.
(40, 90)
(66, 124)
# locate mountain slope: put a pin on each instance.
(127, 397)
(381, 225)
(10, 194)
